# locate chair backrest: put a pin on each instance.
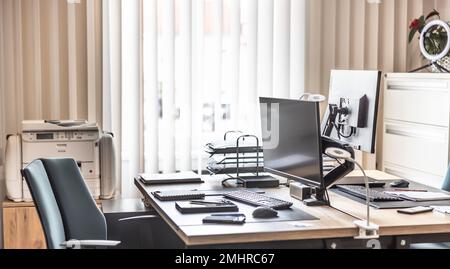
(81, 217)
(446, 185)
(45, 201)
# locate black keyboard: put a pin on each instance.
(374, 195)
(257, 199)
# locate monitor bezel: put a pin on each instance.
(321, 184)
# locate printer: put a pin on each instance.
(84, 142)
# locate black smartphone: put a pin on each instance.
(415, 210)
(225, 219)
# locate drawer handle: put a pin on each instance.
(406, 86)
(423, 135)
(403, 133)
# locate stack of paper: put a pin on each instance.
(418, 196)
(442, 209)
(175, 178)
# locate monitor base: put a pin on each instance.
(253, 181)
(318, 199)
(260, 182)
(314, 202)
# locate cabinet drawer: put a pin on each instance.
(424, 148)
(419, 101)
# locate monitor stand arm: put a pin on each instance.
(320, 198)
(343, 169)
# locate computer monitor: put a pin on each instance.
(291, 140)
(351, 116)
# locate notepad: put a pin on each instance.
(178, 195)
(420, 196)
(188, 208)
(442, 209)
(174, 178)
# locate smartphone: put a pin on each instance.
(225, 219)
(415, 210)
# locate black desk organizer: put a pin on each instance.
(236, 155)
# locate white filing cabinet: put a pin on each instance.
(416, 126)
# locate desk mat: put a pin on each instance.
(293, 214)
(391, 204)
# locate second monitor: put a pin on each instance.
(351, 115)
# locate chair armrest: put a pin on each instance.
(79, 244)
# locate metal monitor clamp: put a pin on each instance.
(320, 194)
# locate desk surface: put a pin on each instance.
(332, 223)
(391, 222)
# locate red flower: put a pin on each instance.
(415, 24)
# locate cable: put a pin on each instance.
(328, 197)
(336, 159)
(343, 135)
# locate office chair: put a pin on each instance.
(445, 187)
(446, 184)
(69, 215)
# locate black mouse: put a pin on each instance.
(263, 212)
(400, 184)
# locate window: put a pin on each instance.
(205, 64)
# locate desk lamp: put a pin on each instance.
(367, 230)
(313, 97)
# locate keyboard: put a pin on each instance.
(256, 199)
(374, 195)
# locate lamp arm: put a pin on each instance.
(366, 182)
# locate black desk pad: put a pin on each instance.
(391, 204)
(293, 214)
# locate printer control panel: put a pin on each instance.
(60, 136)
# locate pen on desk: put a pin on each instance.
(207, 203)
(408, 190)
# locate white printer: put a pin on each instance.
(79, 140)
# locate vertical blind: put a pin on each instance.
(50, 61)
(205, 63)
(48, 70)
(50, 64)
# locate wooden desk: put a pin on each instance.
(334, 228)
(22, 228)
(429, 227)
(332, 223)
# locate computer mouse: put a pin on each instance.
(263, 212)
(400, 184)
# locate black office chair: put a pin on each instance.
(68, 213)
(445, 187)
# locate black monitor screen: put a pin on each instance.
(291, 139)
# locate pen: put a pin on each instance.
(229, 215)
(408, 190)
(207, 203)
